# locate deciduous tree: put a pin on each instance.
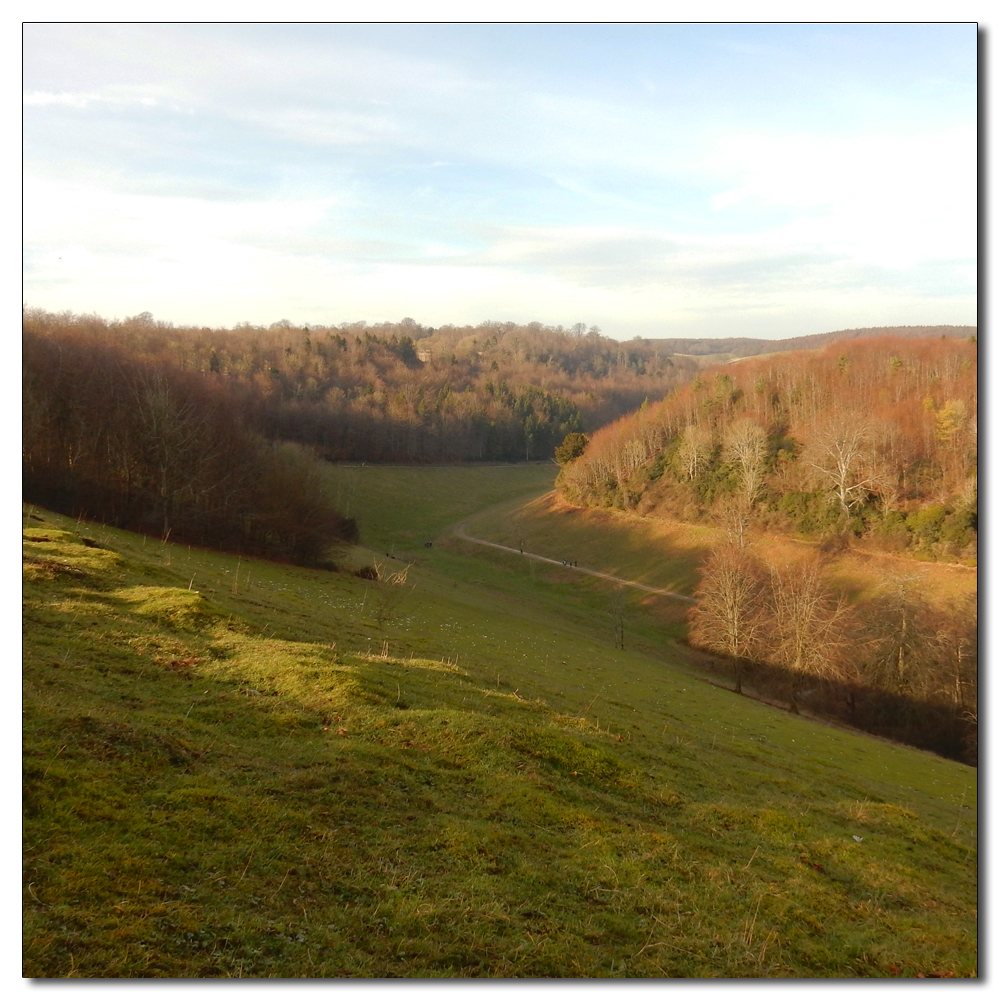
(807, 624)
(746, 447)
(842, 457)
(729, 614)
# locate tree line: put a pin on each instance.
(749, 346)
(871, 439)
(140, 443)
(401, 392)
(892, 664)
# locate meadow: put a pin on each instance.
(234, 769)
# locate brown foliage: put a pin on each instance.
(886, 422)
(399, 391)
(144, 444)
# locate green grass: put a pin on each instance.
(623, 545)
(399, 508)
(232, 770)
(403, 506)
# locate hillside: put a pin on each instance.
(391, 392)
(401, 392)
(873, 438)
(741, 347)
(233, 769)
(867, 447)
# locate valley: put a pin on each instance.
(234, 768)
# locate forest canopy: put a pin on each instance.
(143, 444)
(873, 438)
(400, 392)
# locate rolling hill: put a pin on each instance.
(236, 768)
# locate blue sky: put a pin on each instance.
(684, 180)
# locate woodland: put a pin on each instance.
(398, 392)
(215, 436)
(874, 439)
(142, 444)
(869, 444)
(220, 438)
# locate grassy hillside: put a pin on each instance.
(232, 770)
(651, 552)
(666, 553)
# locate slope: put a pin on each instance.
(232, 770)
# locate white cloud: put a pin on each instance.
(86, 215)
(884, 199)
(40, 98)
(144, 96)
(197, 262)
(325, 127)
(559, 198)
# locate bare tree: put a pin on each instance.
(746, 447)
(957, 641)
(807, 622)
(35, 416)
(842, 457)
(695, 450)
(899, 635)
(175, 442)
(729, 615)
(735, 513)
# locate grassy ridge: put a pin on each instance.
(666, 553)
(231, 770)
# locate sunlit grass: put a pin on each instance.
(232, 770)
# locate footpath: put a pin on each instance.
(460, 532)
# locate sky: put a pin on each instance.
(678, 180)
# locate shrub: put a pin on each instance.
(926, 523)
(810, 512)
(959, 529)
(890, 531)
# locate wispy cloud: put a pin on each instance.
(650, 178)
(138, 97)
(40, 98)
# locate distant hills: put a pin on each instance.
(717, 349)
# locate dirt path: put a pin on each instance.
(459, 531)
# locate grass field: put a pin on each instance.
(399, 508)
(668, 554)
(232, 769)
